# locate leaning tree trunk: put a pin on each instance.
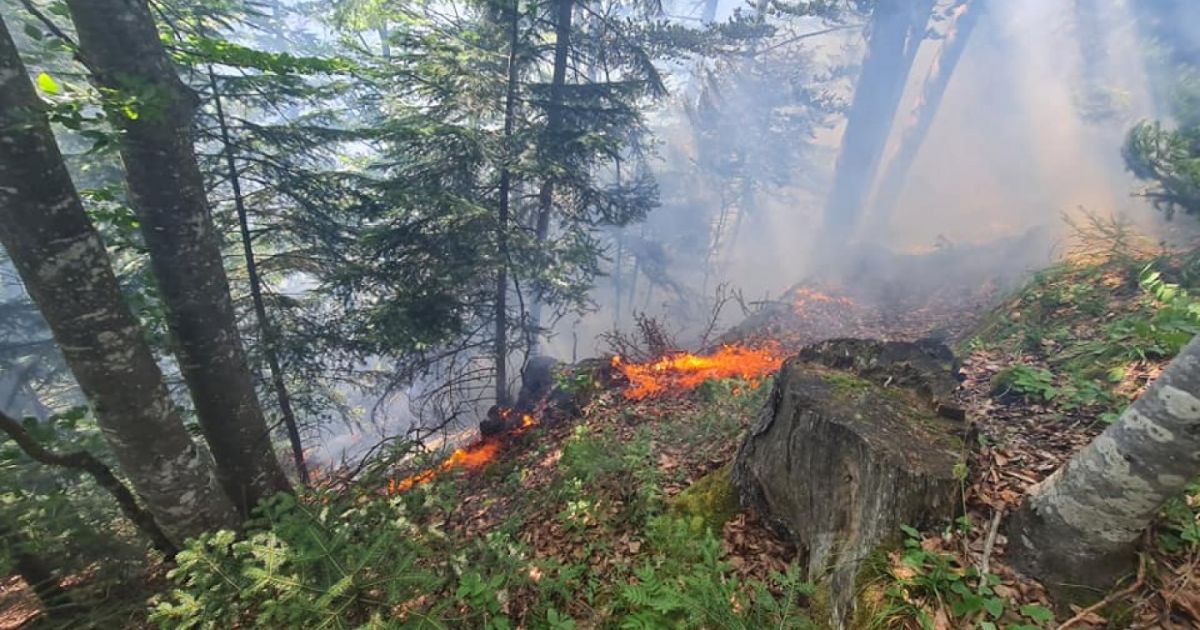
(896, 30)
(958, 33)
(62, 261)
(554, 122)
(119, 42)
(1079, 526)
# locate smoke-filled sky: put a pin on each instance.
(1030, 128)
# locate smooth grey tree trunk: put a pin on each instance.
(1079, 527)
(120, 44)
(65, 268)
(916, 128)
(896, 30)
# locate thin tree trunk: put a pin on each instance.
(84, 461)
(958, 33)
(1079, 527)
(119, 41)
(710, 12)
(65, 268)
(896, 29)
(270, 335)
(554, 121)
(510, 113)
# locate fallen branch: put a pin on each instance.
(88, 463)
(990, 542)
(1112, 597)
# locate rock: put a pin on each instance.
(838, 462)
(537, 379)
(494, 424)
(708, 503)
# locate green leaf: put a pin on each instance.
(1037, 613)
(994, 606)
(47, 84)
(34, 32)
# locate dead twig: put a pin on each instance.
(990, 541)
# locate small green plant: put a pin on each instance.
(303, 567)
(1033, 383)
(686, 584)
(934, 578)
(1180, 523)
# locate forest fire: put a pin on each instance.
(474, 456)
(805, 296)
(681, 372)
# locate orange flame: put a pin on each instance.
(805, 296)
(471, 457)
(682, 372)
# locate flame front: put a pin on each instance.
(471, 457)
(682, 372)
(806, 296)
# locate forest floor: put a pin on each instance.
(1044, 371)
(623, 516)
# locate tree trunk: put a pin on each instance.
(510, 113)
(896, 30)
(270, 336)
(62, 261)
(120, 43)
(1079, 526)
(554, 120)
(958, 33)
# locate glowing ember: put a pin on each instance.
(682, 372)
(472, 457)
(805, 296)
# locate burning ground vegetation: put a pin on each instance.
(610, 503)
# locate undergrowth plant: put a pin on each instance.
(929, 579)
(686, 584)
(340, 565)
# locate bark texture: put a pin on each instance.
(65, 269)
(838, 462)
(1077, 530)
(897, 29)
(120, 43)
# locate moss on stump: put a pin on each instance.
(838, 460)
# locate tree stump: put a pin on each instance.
(837, 462)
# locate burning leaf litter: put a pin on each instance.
(685, 372)
(474, 456)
